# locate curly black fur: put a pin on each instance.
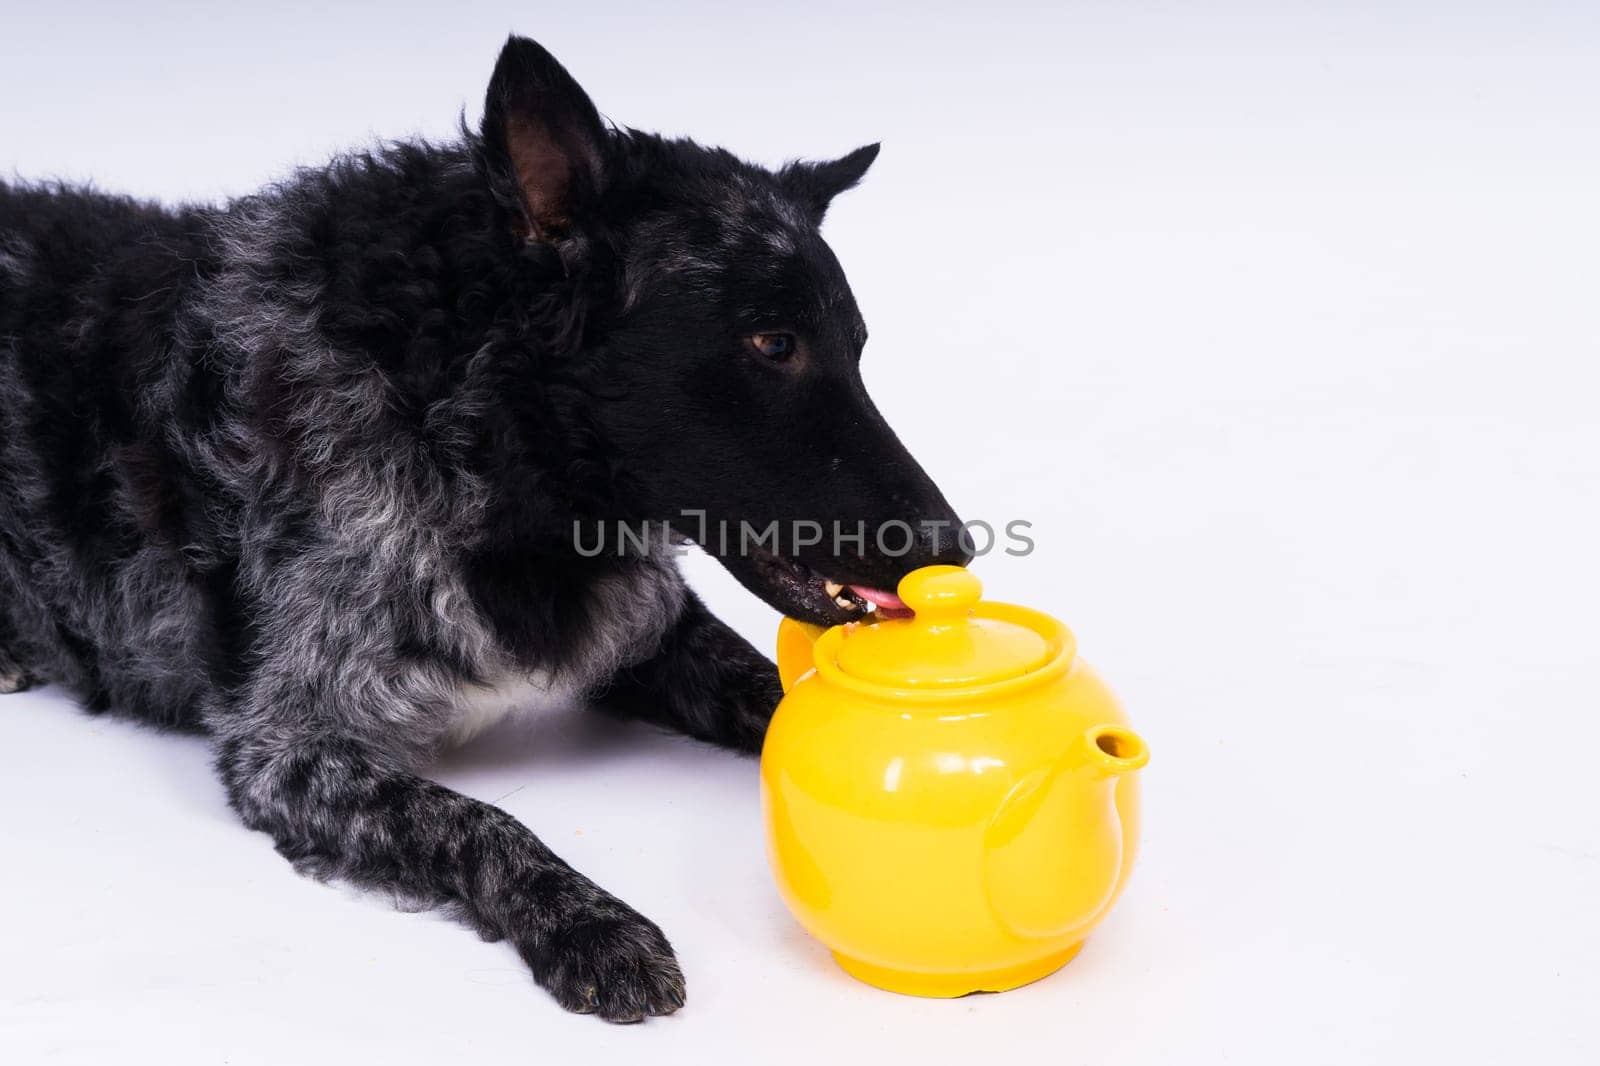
(302, 473)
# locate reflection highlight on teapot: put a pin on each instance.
(944, 763)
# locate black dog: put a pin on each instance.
(307, 473)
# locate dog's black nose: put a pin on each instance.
(945, 542)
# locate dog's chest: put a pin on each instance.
(478, 707)
(627, 617)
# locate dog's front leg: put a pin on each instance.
(337, 808)
(704, 680)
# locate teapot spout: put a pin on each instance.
(796, 650)
(1114, 750)
(1054, 851)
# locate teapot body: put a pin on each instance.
(960, 844)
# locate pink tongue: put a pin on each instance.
(886, 601)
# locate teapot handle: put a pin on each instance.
(796, 650)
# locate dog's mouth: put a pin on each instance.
(812, 596)
(866, 600)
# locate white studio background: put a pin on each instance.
(1277, 321)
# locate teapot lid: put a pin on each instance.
(951, 641)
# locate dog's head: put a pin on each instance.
(727, 344)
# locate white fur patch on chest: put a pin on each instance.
(630, 613)
(478, 707)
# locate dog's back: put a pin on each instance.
(90, 525)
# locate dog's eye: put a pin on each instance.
(775, 346)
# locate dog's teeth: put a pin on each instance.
(843, 601)
(833, 589)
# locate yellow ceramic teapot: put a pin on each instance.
(950, 798)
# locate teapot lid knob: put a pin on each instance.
(952, 641)
(940, 594)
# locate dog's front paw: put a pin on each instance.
(612, 962)
(754, 694)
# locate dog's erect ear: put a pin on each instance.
(815, 185)
(544, 137)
